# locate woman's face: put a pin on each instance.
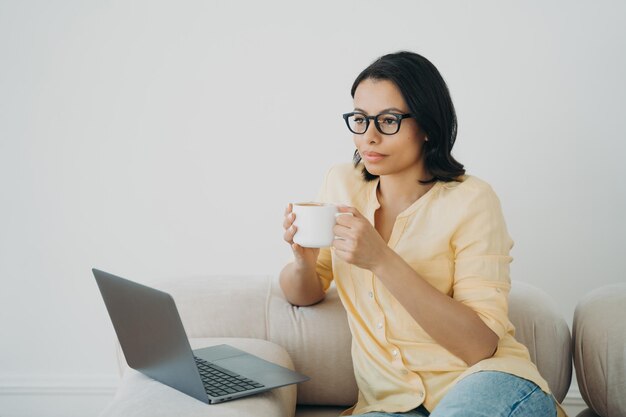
(402, 152)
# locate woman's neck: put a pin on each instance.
(399, 191)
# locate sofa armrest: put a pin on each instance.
(141, 396)
(545, 333)
(600, 349)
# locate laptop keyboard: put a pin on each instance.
(219, 381)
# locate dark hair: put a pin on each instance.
(428, 98)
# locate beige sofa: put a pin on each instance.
(251, 313)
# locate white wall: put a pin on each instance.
(160, 140)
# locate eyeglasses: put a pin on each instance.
(386, 123)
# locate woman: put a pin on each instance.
(422, 266)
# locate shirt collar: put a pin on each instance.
(373, 204)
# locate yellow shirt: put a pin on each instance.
(455, 238)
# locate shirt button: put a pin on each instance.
(371, 294)
(420, 394)
(380, 325)
(394, 352)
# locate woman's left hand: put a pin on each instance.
(359, 242)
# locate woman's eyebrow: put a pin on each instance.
(383, 111)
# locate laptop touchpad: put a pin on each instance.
(259, 370)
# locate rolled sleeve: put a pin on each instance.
(482, 246)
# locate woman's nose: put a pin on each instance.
(371, 135)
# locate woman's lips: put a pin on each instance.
(373, 156)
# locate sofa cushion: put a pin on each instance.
(141, 396)
(600, 349)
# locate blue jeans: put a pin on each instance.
(487, 394)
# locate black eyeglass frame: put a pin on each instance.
(346, 116)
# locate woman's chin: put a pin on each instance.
(374, 170)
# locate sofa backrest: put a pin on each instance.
(318, 337)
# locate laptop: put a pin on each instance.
(154, 343)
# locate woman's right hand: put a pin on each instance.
(305, 258)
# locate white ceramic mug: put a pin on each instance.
(314, 223)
